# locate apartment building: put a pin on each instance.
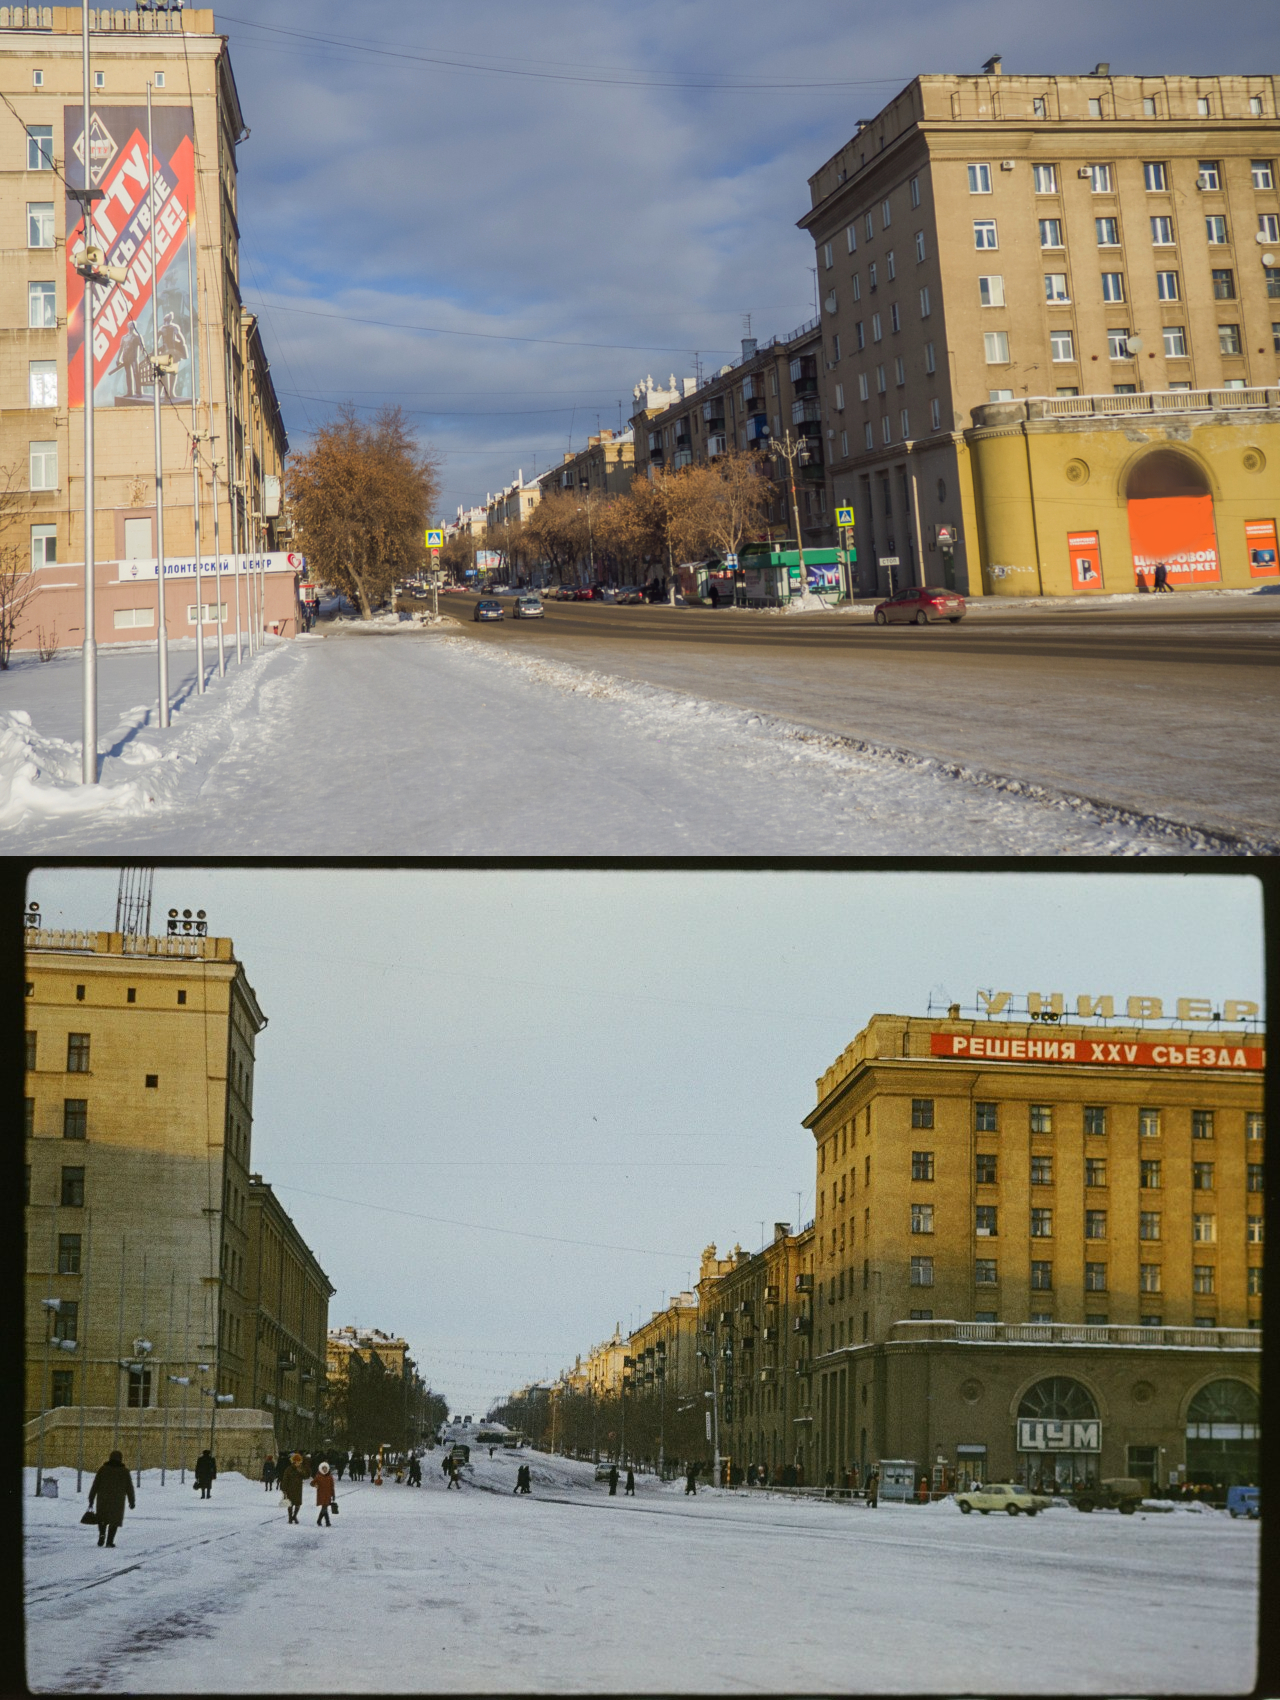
(514, 503)
(1051, 321)
(289, 1295)
(773, 390)
(197, 126)
(159, 1271)
(605, 466)
(1039, 1246)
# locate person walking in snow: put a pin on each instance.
(631, 1482)
(613, 1480)
(322, 1482)
(454, 1472)
(111, 1487)
(1162, 577)
(268, 1472)
(873, 1488)
(291, 1485)
(206, 1469)
(691, 1478)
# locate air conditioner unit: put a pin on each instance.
(1006, 165)
(1084, 171)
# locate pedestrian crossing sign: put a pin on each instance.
(435, 539)
(844, 517)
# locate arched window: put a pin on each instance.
(1224, 1410)
(1058, 1398)
(1165, 472)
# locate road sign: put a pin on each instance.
(731, 560)
(946, 534)
(435, 539)
(844, 516)
(889, 560)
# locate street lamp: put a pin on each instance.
(183, 1381)
(218, 1399)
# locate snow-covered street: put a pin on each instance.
(571, 1591)
(414, 743)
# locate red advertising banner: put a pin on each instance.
(1086, 560)
(1177, 530)
(121, 228)
(1124, 1053)
(1260, 540)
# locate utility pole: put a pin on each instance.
(232, 489)
(162, 636)
(89, 758)
(791, 451)
(213, 468)
(196, 435)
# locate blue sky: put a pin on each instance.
(507, 1110)
(585, 173)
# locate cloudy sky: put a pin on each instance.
(507, 1110)
(502, 215)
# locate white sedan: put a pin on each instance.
(1002, 1496)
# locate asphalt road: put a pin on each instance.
(1166, 706)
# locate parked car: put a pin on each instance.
(487, 610)
(1245, 1502)
(566, 593)
(604, 1466)
(918, 605)
(584, 593)
(629, 593)
(527, 608)
(1002, 1496)
(1116, 1493)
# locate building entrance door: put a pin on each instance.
(1171, 520)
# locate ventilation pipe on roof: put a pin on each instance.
(1102, 68)
(992, 66)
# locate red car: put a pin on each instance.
(919, 604)
(587, 593)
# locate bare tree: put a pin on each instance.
(733, 498)
(17, 581)
(360, 498)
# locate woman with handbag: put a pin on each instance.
(322, 1482)
(111, 1487)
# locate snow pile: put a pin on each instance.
(41, 776)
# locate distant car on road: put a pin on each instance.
(587, 593)
(629, 593)
(567, 593)
(1116, 1493)
(920, 604)
(1245, 1502)
(527, 608)
(1002, 1496)
(489, 611)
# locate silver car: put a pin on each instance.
(527, 608)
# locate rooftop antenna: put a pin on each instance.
(133, 901)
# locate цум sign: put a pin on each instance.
(1043, 1434)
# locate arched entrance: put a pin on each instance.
(1222, 1434)
(1171, 519)
(1059, 1434)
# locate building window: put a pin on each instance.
(1202, 1124)
(860, 334)
(1254, 1124)
(886, 215)
(1095, 1277)
(864, 390)
(979, 179)
(991, 291)
(869, 435)
(1224, 284)
(1153, 175)
(920, 254)
(890, 266)
(886, 429)
(1095, 1120)
(68, 1254)
(1100, 179)
(1149, 1277)
(869, 226)
(877, 332)
(44, 546)
(935, 415)
(182, 997)
(984, 1117)
(28, 1118)
(1041, 1224)
(996, 345)
(1038, 106)
(44, 466)
(922, 1272)
(1167, 286)
(895, 321)
(1208, 176)
(1175, 342)
(1202, 1277)
(77, 1053)
(915, 191)
(1045, 178)
(1041, 1275)
(1202, 1177)
(835, 355)
(985, 1166)
(844, 444)
(75, 1118)
(30, 1050)
(1148, 106)
(1095, 107)
(1107, 231)
(1255, 103)
(922, 1112)
(1051, 233)
(72, 1194)
(1149, 1173)
(925, 307)
(1041, 1118)
(1095, 1224)
(1113, 286)
(984, 233)
(1253, 1177)
(42, 306)
(66, 1320)
(1055, 286)
(851, 238)
(1215, 230)
(139, 1388)
(40, 224)
(1228, 339)
(1255, 1281)
(984, 1272)
(922, 1165)
(42, 380)
(1062, 345)
(985, 1220)
(919, 1316)
(922, 1218)
(1253, 1230)
(1149, 1225)
(1095, 1171)
(1042, 1171)
(39, 147)
(63, 1388)
(1263, 176)
(1148, 1124)
(881, 383)
(828, 259)
(839, 398)
(1204, 1229)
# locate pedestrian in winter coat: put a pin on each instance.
(923, 1494)
(344, 1458)
(268, 1472)
(206, 1469)
(691, 1480)
(873, 1488)
(1162, 577)
(631, 1481)
(455, 1473)
(291, 1479)
(322, 1482)
(415, 1472)
(111, 1487)
(613, 1479)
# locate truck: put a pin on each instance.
(1117, 1493)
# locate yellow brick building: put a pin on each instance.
(1021, 1225)
(152, 1253)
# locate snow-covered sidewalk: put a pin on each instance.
(435, 744)
(570, 1591)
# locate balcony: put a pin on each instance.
(758, 428)
(1151, 403)
(805, 386)
(805, 410)
(716, 446)
(1072, 1333)
(804, 1283)
(802, 1325)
